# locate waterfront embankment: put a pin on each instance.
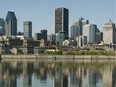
(61, 57)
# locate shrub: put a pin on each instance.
(59, 52)
(91, 52)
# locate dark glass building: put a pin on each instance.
(44, 35)
(11, 24)
(61, 20)
(38, 36)
(41, 35)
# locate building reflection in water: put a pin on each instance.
(114, 77)
(62, 74)
(27, 74)
(1, 79)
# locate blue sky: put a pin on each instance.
(41, 12)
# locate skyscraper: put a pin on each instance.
(27, 26)
(90, 32)
(11, 24)
(81, 22)
(109, 33)
(61, 20)
(74, 31)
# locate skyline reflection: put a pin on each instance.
(57, 74)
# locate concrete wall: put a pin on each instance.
(91, 57)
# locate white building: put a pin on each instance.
(81, 41)
(107, 77)
(90, 32)
(109, 33)
(66, 43)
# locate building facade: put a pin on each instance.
(109, 33)
(81, 22)
(74, 31)
(99, 37)
(38, 36)
(27, 28)
(81, 41)
(61, 20)
(2, 25)
(44, 35)
(11, 24)
(60, 37)
(51, 39)
(41, 36)
(90, 32)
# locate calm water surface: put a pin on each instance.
(57, 74)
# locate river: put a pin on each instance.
(35, 73)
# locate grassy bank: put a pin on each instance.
(81, 52)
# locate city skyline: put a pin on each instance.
(42, 13)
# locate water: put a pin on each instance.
(23, 73)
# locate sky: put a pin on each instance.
(41, 12)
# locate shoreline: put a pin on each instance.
(57, 57)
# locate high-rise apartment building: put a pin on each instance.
(2, 25)
(11, 24)
(27, 26)
(109, 33)
(81, 22)
(61, 20)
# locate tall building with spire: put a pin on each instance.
(61, 20)
(11, 24)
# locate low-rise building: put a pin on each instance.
(4, 49)
(38, 50)
(60, 37)
(31, 43)
(66, 43)
(99, 37)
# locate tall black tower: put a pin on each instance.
(61, 20)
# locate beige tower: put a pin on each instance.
(109, 33)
